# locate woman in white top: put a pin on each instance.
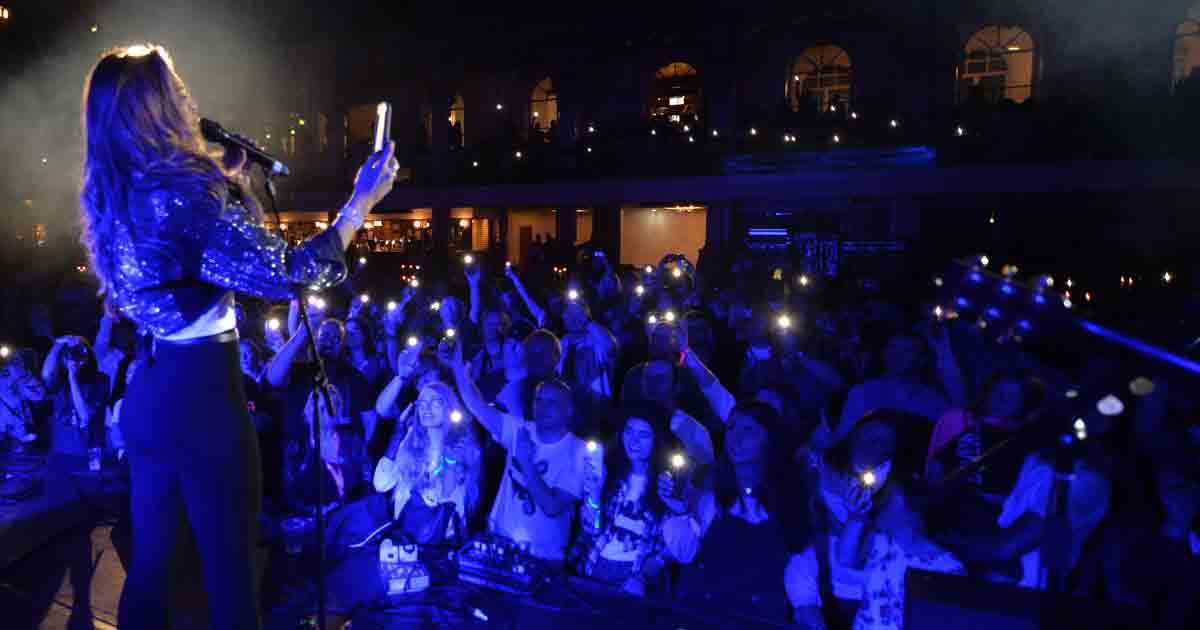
(437, 459)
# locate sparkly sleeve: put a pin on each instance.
(242, 255)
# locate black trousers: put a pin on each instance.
(193, 458)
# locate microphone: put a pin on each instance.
(214, 132)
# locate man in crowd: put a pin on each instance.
(543, 477)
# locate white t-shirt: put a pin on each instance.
(625, 548)
(515, 515)
(883, 593)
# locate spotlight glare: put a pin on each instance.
(413, 341)
(456, 416)
(678, 461)
(273, 324)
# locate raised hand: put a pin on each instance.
(375, 178)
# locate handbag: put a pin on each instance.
(427, 525)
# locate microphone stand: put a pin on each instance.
(320, 384)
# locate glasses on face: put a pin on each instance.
(433, 404)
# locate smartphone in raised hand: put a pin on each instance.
(383, 125)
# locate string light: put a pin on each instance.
(784, 322)
(894, 123)
(456, 416)
(836, 138)
(391, 306)
(959, 131)
(364, 298)
(1167, 277)
(273, 324)
(753, 131)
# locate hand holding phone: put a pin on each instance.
(383, 125)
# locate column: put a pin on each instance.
(718, 228)
(566, 227)
(440, 136)
(606, 230)
(440, 220)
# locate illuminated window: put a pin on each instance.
(3, 14)
(997, 65)
(458, 121)
(543, 106)
(1187, 46)
(675, 94)
(360, 123)
(820, 80)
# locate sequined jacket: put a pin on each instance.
(180, 248)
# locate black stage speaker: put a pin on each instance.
(936, 601)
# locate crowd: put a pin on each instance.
(732, 437)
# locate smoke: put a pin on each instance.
(229, 56)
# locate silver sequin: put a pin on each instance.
(177, 253)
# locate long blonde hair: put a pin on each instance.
(139, 120)
(461, 441)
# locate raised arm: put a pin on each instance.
(719, 398)
(538, 312)
(487, 416)
(225, 244)
(280, 365)
(472, 273)
(948, 370)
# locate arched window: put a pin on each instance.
(997, 65)
(1187, 46)
(543, 105)
(675, 94)
(457, 121)
(820, 80)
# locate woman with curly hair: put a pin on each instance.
(437, 461)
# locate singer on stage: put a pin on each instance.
(173, 232)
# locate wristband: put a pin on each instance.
(595, 505)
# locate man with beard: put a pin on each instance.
(293, 375)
